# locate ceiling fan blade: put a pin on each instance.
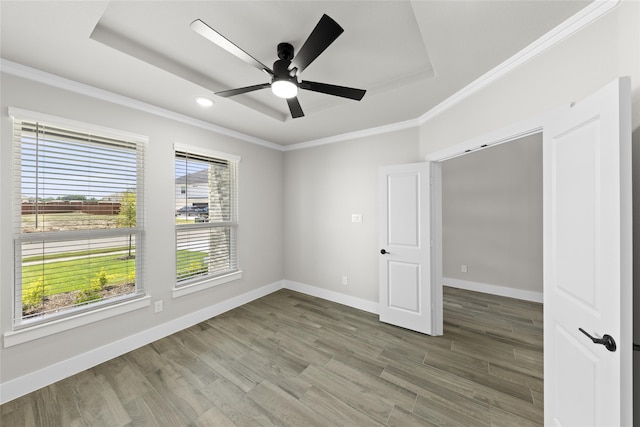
(295, 108)
(345, 92)
(212, 35)
(325, 32)
(239, 91)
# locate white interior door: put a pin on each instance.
(587, 261)
(409, 295)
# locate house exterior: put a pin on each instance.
(287, 197)
(192, 189)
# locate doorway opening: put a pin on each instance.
(489, 240)
(492, 220)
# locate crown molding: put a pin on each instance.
(586, 16)
(569, 27)
(23, 71)
(353, 135)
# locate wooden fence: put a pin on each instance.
(93, 208)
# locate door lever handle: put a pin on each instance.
(383, 252)
(606, 340)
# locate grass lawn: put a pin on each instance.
(83, 275)
(190, 264)
(77, 274)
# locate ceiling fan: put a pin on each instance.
(286, 70)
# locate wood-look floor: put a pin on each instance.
(293, 360)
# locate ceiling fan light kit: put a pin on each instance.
(286, 70)
(284, 89)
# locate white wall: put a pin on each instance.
(324, 186)
(260, 230)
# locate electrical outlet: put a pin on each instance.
(345, 280)
(158, 306)
(356, 217)
(463, 268)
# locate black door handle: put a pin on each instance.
(382, 251)
(606, 340)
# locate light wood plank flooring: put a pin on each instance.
(293, 360)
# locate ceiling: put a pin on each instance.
(410, 56)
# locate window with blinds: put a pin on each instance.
(78, 197)
(206, 194)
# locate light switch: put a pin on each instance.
(158, 306)
(356, 217)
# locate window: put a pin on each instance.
(77, 198)
(206, 215)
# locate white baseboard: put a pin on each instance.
(355, 302)
(494, 289)
(33, 381)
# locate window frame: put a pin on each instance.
(25, 329)
(191, 285)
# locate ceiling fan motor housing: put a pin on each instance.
(285, 51)
(281, 66)
(281, 71)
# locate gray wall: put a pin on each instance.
(492, 215)
(260, 231)
(324, 186)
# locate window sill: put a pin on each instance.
(206, 284)
(41, 330)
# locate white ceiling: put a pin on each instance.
(409, 55)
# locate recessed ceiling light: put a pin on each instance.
(204, 102)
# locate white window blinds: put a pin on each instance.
(206, 194)
(77, 198)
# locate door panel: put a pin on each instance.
(587, 260)
(409, 295)
(403, 191)
(405, 295)
(575, 199)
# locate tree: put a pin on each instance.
(127, 214)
